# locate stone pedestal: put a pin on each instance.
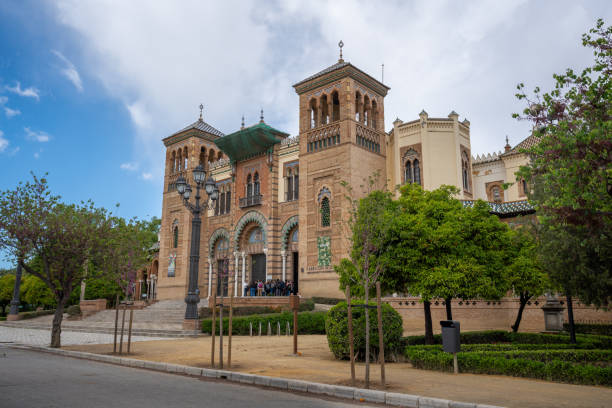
(191, 324)
(553, 315)
(89, 307)
(12, 317)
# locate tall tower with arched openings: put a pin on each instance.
(342, 139)
(185, 149)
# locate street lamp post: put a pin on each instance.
(212, 192)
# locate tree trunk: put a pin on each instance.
(570, 317)
(429, 339)
(56, 329)
(449, 310)
(367, 334)
(523, 299)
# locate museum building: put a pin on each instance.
(281, 211)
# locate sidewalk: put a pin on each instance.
(271, 356)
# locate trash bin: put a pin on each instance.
(450, 336)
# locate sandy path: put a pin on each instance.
(272, 356)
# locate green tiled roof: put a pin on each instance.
(507, 209)
(249, 142)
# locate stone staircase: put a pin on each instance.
(162, 319)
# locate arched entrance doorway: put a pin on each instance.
(221, 265)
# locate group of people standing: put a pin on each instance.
(272, 287)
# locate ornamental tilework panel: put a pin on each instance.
(324, 246)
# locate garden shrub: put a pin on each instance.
(308, 323)
(306, 305)
(206, 312)
(591, 328)
(31, 315)
(336, 328)
(73, 310)
(326, 300)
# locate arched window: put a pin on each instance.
(524, 186)
(358, 106)
(211, 156)
(219, 155)
(256, 184)
(175, 235)
(416, 171)
(179, 165)
(185, 159)
(465, 171)
(228, 198)
(173, 163)
(324, 110)
(222, 200)
(335, 107)
(294, 235)
(366, 110)
(374, 114)
(217, 205)
(325, 212)
(313, 113)
(249, 186)
(408, 172)
(202, 161)
(496, 194)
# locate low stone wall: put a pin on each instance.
(89, 307)
(487, 315)
(269, 301)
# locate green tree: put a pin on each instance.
(440, 249)
(526, 277)
(570, 171)
(369, 223)
(35, 225)
(37, 293)
(7, 283)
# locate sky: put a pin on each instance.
(89, 88)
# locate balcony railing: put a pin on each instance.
(250, 201)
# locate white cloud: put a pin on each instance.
(36, 155)
(129, 166)
(147, 176)
(3, 142)
(37, 136)
(69, 71)
(11, 112)
(30, 92)
(139, 115)
(440, 56)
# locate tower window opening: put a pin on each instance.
(325, 212)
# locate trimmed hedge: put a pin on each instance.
(336, 327)
(308, 323)
(492, 363)
(326, 300)
(500, 336)
(73, 310)
(588, 328)
(31, 315)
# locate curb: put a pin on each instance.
(337, 391)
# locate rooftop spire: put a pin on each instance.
(201, 109)
(261, 120)
(507, 147)
(242, 124)
(340, 44)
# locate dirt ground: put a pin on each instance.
(272, 356)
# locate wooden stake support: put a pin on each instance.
(350, 333)
(116, 324)
(229, 331)
(381, 342)
(130, 329)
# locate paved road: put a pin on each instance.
(36, 337)
(34, 379)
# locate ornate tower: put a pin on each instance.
(185, 149)
(342, 138)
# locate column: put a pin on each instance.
(149, 288)
(236, 276)
(243, 269)
(284, 257)
(154, 287)
(266, 253)
(209, 277)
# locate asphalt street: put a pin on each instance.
(35, 379)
